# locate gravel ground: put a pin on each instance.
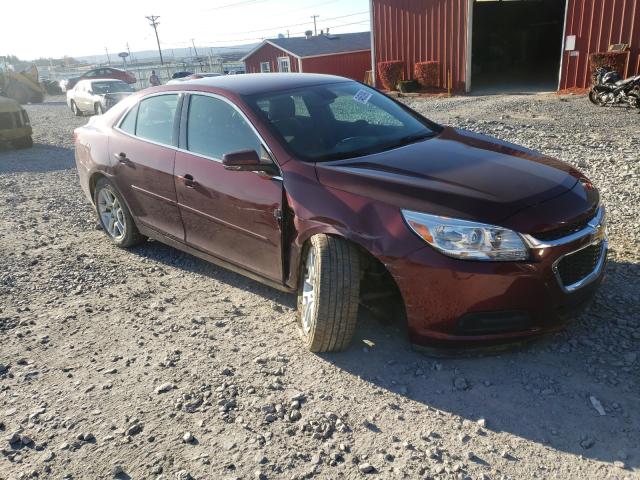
(153, 364)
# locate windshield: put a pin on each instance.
(110, 87)
(339, 120)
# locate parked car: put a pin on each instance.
(96, 96)
(98, 73)
(193, 76)
(323, 186)
(181, 74)
(15, 126)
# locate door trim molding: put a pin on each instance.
(152, 233)
(154, 195)
(224, 223)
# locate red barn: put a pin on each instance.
(494, 43)
(345, 54)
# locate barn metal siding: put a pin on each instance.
(421, 30)
(268, 53)
(351, 65)
(597, 24)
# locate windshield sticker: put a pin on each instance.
(362, 96)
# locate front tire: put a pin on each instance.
(74, 108)
(328, 294)
(114, 216)
(595, 98)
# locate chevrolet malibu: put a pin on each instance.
(323, 186)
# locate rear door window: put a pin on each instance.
(156, 116)
(214, 128)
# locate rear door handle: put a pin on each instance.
(188, 180)
(121, 157)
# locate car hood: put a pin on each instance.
(115, 95)
(456, 173)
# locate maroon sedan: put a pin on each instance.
(323, 186)
(99, 73)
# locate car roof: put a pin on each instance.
(255, 83)
(102, 80)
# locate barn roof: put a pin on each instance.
(319, 45)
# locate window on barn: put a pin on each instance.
(284, 64)
(265, 67)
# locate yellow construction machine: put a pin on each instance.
(23, 87)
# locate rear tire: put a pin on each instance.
(74, 108)
(114, 216)
(328, 294)
(24, 142)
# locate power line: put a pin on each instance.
(312, 6)
(300, 24)
(153, 21)
(361, 22)
(233, 5)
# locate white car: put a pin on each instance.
(96, 96)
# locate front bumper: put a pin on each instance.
(461, 303)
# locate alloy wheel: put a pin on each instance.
(308, 291)
(111, 214)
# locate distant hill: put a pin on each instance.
(168, 53)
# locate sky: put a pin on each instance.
(81, 28)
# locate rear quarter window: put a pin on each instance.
(128, 124)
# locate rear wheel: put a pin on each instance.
(114, 216)
(328, 294)
(74, 108)
(24, 142)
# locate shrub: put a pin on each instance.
(426, 73)
(390, 73)
(611, 60)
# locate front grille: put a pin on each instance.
(562, 231)
(576, 266)
(6, 120)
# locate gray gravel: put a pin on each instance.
(150, 363)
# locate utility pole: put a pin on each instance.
(194, 47)
(315, 29)
(129, 51)
(153, 21)
(108, 57)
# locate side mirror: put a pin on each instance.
(248, 161)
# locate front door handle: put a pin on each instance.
(121, 157)
(188, 180)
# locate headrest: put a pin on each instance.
(281, 108)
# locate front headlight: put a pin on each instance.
(467, 240)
